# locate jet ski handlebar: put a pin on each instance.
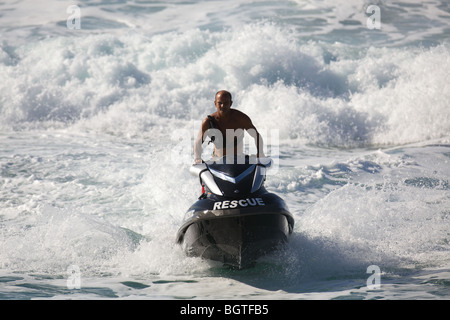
(197, 169)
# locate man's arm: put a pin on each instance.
(253, 132)
(198, 144)
(258, 141)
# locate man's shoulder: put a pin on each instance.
(206, 123)
(209, 116)
(243, 119)
(239, 113)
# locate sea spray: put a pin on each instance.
(126, 86)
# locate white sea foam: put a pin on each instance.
(133, 85)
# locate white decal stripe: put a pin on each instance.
(231, 179)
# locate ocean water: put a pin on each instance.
(100, 104)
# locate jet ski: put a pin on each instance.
(236, 220)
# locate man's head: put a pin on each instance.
(223, 101)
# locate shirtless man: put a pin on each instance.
(226, 127)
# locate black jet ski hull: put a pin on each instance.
(235, 232)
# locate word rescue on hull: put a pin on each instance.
(231, 204)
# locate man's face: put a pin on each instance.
(223, 103)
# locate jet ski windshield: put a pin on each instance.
(230, 177)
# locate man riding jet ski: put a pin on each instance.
(236, 220)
